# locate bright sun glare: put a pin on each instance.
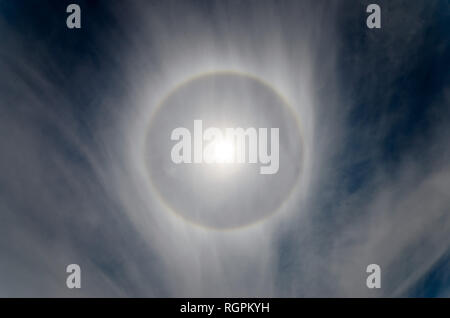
(224, 151)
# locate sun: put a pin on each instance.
(224, 151)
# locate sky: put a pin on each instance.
(85, 170)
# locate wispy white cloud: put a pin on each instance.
(74, 188)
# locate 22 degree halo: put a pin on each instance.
(214, 195)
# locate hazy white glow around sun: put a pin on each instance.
(224, 151)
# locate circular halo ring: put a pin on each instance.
(159, 196)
